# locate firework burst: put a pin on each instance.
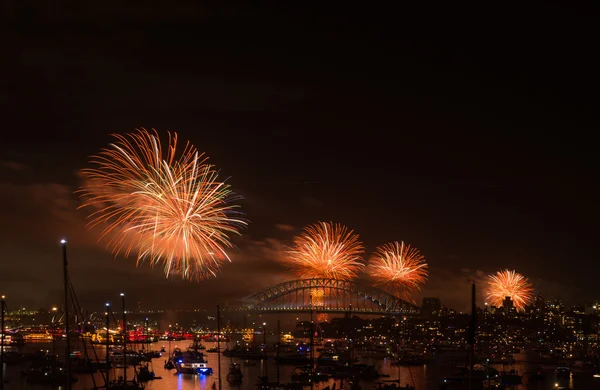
(511, 284)
(164, 206)
(326, 250)
(317, 297)
(399, 268)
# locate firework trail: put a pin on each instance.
(326, 250)
(164, 206)
(511, 284)
(399, 268)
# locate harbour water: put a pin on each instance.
(426, 377)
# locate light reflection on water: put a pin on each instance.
(422, 377)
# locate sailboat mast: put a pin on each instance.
(146, 334)
(124, 340)
(107, 344)
(278, 342)
(219, 343)
(3, 304)
(68, 343)
(312, 342)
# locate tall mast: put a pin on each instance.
(145, 333)
(68, 344)
(278, 341)
(312, 342)
(124, 340)
(3, 305)
(107, 344)
(219, 343)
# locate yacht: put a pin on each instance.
(191, 361)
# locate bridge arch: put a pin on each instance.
(373, 300)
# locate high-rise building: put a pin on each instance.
(431, 307)
(508, 305)
(540, 303)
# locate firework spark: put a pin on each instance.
(167, 207)
(399, 268)
(511, 284)
(317, 297)
(326, 250)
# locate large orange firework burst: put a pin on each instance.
(326, 250)
(399, 267)
(167, 207)
(511, 284)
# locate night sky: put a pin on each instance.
(469, 133)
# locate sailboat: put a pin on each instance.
(50, 370)
(264, 383)
(122, 383)
(234, 376)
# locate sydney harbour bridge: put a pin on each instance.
(326, 296)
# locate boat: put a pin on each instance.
(120, 384)
(12, 339)
(411, 360)
(234, 377)
(47, 372)
(80, 365)
(130, 357)
(264, 384)
(537, 375)
(375, 352)
(243, 352)
(563, 371)
(193, 368)
(145, 374)
(191, 361)
(364, 371)
(302, 376)
(296, 359)
(40, 336)
(510, 378)
(393, 385)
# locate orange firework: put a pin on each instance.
(326, 250)
(317, 297)
(167, 207)
(511, 284)
(399, 267)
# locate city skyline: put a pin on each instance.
(475, 161)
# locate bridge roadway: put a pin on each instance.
(320, 309)
(326, 296)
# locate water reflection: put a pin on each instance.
(422, 377)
